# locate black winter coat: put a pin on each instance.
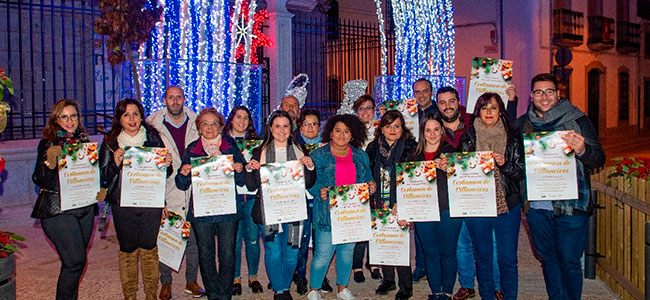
(441, 177)
(373, 154)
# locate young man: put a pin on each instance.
(176, 124)
(559, 228)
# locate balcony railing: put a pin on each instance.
(601, 33)
(568, 28)
(628, 37)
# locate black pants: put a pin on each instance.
(403, 273)
(70, 233)
(136, 227)
(360, 251)
(217, 283)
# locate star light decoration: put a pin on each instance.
(249, 36)
(353, 89)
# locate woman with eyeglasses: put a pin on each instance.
(309, 127)
(69, 230)
(393, 143)
(217, 282)
(136, 227)
(281, 241)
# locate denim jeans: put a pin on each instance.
(439, 240)
(560, 241)
(250, 233)
(303, 252)
(218, 284)
(191, 262)
(419, 256)
(506, 232)
(481, 229)
(323, 255)
(280, 260)
(465, 257)
(70, 233)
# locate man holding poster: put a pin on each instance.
(176, 124)
(559, 228)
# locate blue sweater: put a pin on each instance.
(325, 164)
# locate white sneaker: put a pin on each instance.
(314, 295)
(346, 294)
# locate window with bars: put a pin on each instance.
(623, 96)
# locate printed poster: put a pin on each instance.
(213, 186)
(78, 175)
(172, 240)
(370, 127)
(144, 174)
(246, 147)
(551, 170)
(489, 75)
(409, 109)
(471, 184)
(390, 243)
(312, 147)
(283, 192)
(417, 191)
(350, 213)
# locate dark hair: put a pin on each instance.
(363, 100)
(307, 112)
(423, 123)
(422, 80)
(210, 110)
(120, 109)
(268, 137)
(52, 127)
(543, 77)
(390, 117)
(447, 89)
(484, 100)
(357, 129)
(251, 133)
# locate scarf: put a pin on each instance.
(493, 139)
(78, 136)
(315, 140)
(125, 140)
(384, 169)
(211, 147)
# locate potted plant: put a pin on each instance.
(5, 82)
(9, 244)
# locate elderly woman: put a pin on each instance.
(68, 230)
(393, 144)
(309, 127)
(340, 162)
(492, 131)
(281, 242)
(218, 284)
(136, 227)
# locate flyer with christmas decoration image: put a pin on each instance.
(389, 243)
(172, 240)
(551, 171)
(283, 192)
(213, 186)
(349, 213)
(246, 147)
(417, 191)
(488, 75)
(471, 184)
(79, 179)
(144, 175)
(409, 109)
(312, 147)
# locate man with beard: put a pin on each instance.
(177, 126)
(454, 118)
(291, 105)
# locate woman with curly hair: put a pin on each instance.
(340, 162)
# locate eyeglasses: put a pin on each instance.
(548, 92)
(66, 118)
(309, 124)
(208, 124)
(364, 108)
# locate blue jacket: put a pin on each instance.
(325, 177)
(184, 182)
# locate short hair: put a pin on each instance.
(422, 80)
(543, 77)
(174, 86)
(357, 129)
(447, 89)
(363, 99)
(390, 117)
(210, 110)
(305, 113)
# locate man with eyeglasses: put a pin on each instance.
(559, 228)
(177, 126)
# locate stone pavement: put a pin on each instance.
(38, 268)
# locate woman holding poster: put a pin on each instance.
(340, 162)
(439, 239)
(136, 227)
(393, 143)
(218, 284)
(492, 131)
(68, 230)
(280, 246)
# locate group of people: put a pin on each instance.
(353, 151)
